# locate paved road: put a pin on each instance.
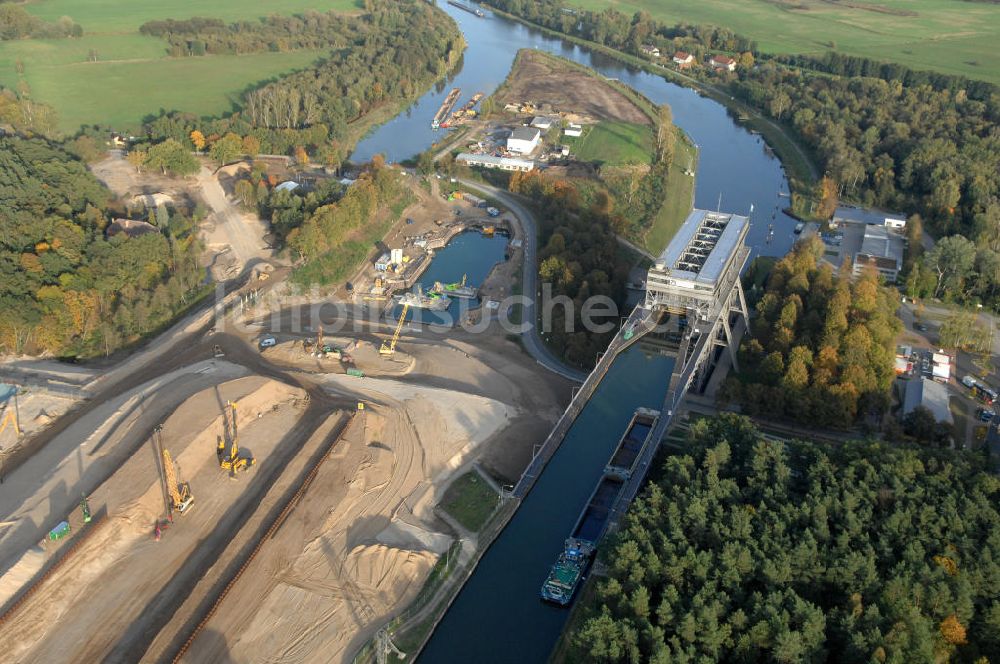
(531, 339)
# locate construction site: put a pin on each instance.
(239, 491)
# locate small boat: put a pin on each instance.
(433, 301)
(799, 227)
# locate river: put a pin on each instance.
(497, 616)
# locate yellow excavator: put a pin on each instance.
(389, 347)
(180, 492)
(231, 460)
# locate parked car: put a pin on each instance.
(267, 341)
(985, 414)
(920, 327)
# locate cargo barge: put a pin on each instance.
(446, 107)
(472, 10)
(572, 564)
(632, 442)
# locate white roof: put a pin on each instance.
(703, 244)
(290, 185)
(941, 358)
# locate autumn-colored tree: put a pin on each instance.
(198, 140)
(953, 631)
(301, 156)
(136, 158)
(227, 148)
(251, 146)
(746, 60)
(827, 194)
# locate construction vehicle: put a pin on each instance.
(389, 347)
(180, 492)
(85, 509)
(10, 418)
(231, 460)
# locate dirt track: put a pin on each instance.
(540, 79)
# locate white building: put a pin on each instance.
(489, 161)
(881, 250)
(524, 140)
(573, 130)
(542, 122)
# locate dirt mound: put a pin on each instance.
(543, 79)
(388, 570)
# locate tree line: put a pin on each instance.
(821, 346)
(66, 288)
(17, 23)
(750, 550)
(211, 36)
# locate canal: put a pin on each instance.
(470, 256)
(497, 616)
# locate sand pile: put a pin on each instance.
(357, 548)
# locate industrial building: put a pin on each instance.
(849, 214)
(927, 393)
(881, 250)
(524, 140)
(490, 161)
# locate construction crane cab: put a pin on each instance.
(388, 348)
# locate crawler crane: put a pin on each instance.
(389, 347)
(231, 460)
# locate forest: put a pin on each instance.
(209, 36)
(750, 550)
(67, 289)
(391, 54)
(821, 346)
(579, 258)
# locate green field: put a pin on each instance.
(133, 77)
(470, 500)
(950, 36)
(614, 143)
(680, 197)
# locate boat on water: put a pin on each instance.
(445, 109)
(799, 227)
(457, 289)
(418, 299)
(578, 551)
(469, 8)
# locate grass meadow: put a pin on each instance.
(950, 36)
(133, 77)
(613, 143)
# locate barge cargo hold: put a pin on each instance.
(565, 575)
(630, 447)
(446, 107)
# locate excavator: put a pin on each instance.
(180, 492)
(389, 347)
(231, 460)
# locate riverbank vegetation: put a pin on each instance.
(65, 287)
(747, 549)
(821, 346)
